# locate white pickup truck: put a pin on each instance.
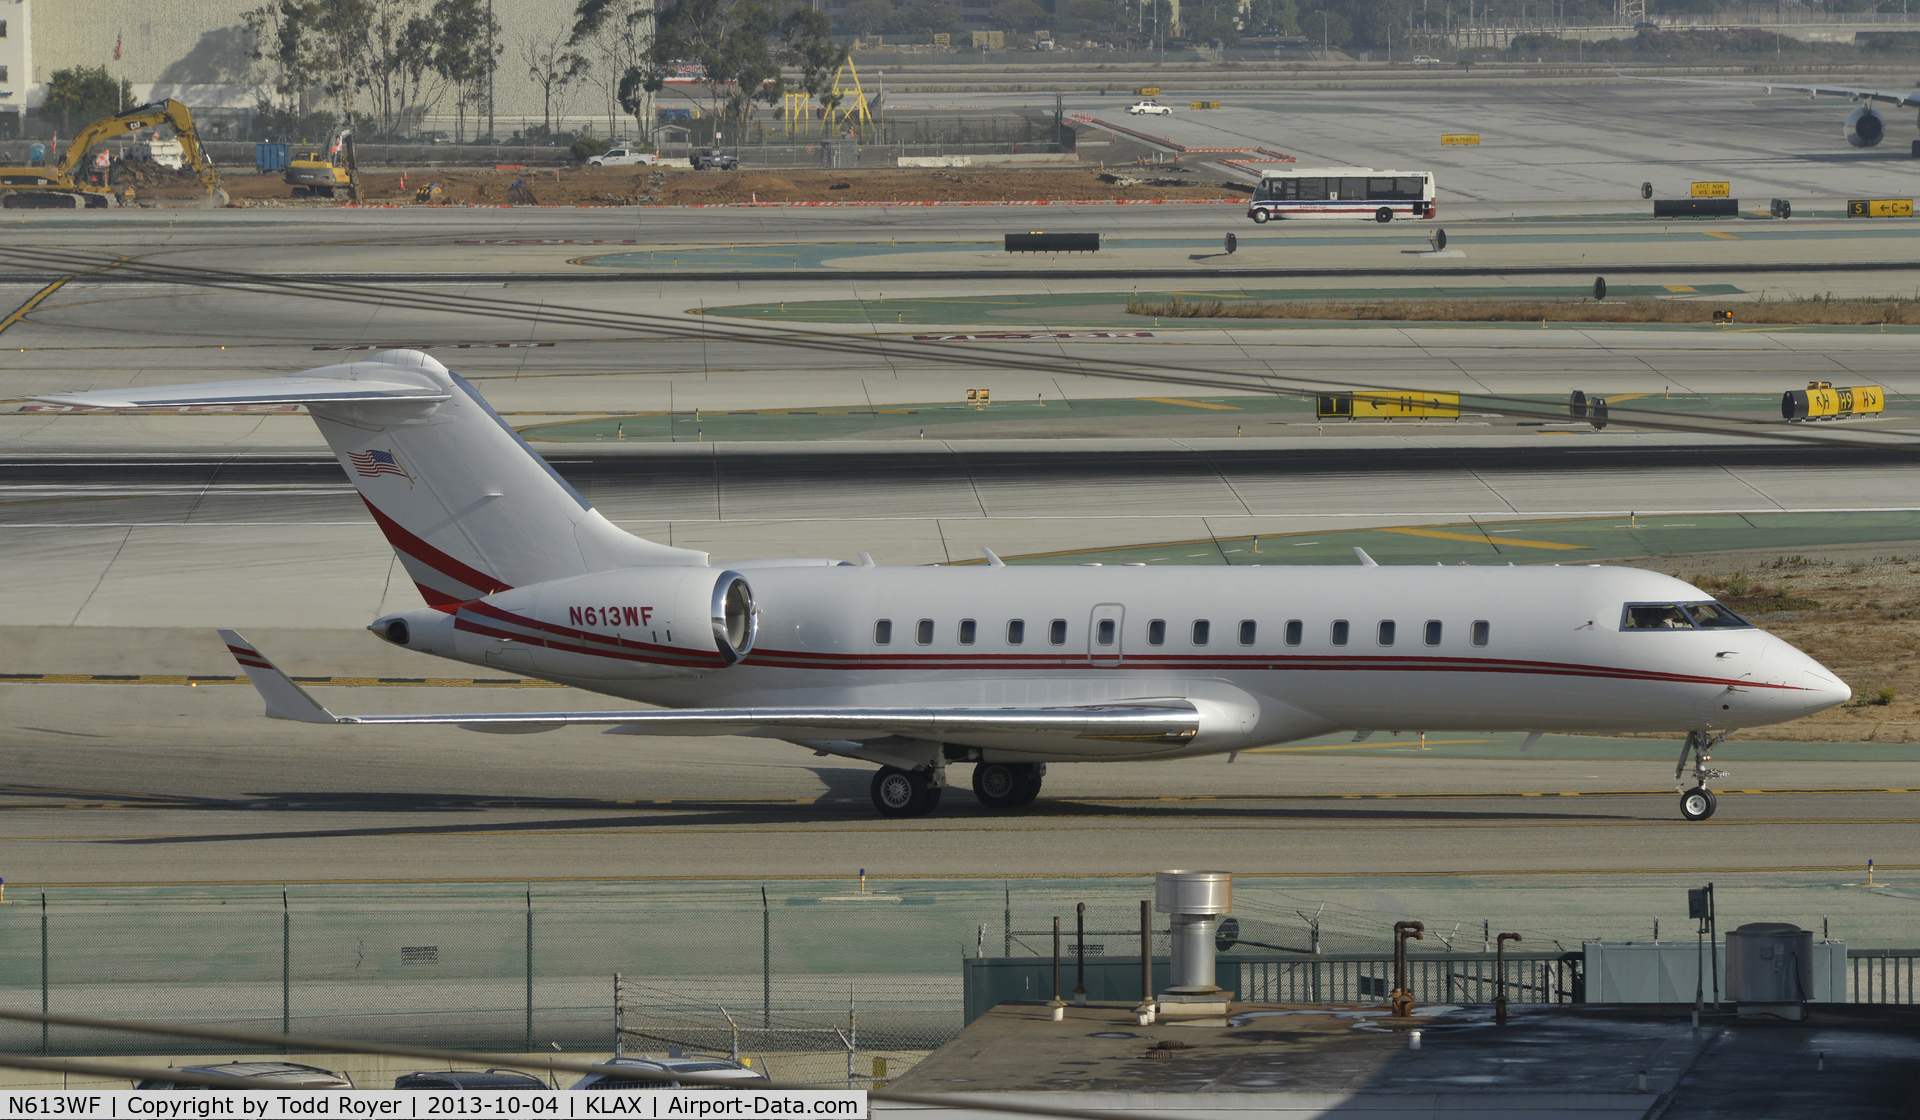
(621, 157)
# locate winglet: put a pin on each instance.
(1365, 560)
(285, 700)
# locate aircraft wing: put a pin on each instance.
(271, 390)
(1893, 98)
(1170, 720)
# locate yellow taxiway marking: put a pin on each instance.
(1192, 404)
(1482, 538)
(1674, 288)
(26, 308)
(1725, 236)
(1616, 398)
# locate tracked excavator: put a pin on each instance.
(65, 185)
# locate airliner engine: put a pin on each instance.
(1865, 127)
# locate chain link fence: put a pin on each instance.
(821, 967)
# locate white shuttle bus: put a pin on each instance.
(1342, 192)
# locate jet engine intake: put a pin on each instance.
(634, 623)
(1865, 127)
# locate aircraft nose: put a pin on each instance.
(1823, 689)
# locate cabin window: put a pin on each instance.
(1016, 631)
(1157, 632)
(1057, 632)
(1295, 631)
(1202, 630)
(1433, 631)
(1246, 631)
(1482, 630)
(1386, 631)
(1340, 631)
(967, 630)
(1103, 634)
(883, 632)
(924, 632)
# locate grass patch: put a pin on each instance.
(1815, 311)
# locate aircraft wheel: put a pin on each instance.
(1383, 215)
(1698, 803)
(1260, 217)
(998, 784)
(901, 793)
(933, 797)
(1031, 789)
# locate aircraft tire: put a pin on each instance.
(900, 793)
(1032, 788)
(1698, 803)
(998, 785)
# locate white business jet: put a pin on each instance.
(1008, 668)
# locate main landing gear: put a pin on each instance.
(1698, 803)
(915, 793)
(905, 793)
(1007, 785)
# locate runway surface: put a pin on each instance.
(127, 538)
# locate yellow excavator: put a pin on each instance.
(323, 173)
(58, 187)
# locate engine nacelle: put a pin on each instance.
(1865, 127)
(633, 624)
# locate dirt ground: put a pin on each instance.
(1853, 608)
(637, 186)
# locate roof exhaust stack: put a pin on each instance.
(1193, 902)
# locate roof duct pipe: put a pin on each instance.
(1193, 902)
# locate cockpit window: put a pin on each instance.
(1656, 616)
(1681, 616)
(1714, 616)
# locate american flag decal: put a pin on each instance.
(371, 463)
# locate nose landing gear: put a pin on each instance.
(1698, 803)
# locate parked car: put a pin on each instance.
(463, 1079)
(714, 158)
(1149, 108)
(1425, 60)
(270, 1075)
(659, 1073)
(620, 157)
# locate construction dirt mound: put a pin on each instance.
(630, 186)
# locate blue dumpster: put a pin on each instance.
(269, 157)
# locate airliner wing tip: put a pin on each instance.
(284, 699)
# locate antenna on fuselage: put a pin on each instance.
(1365, 560)
(992, 560)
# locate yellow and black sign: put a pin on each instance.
(1880, 208)
(1148, 91)
(1821, 401)
(1206, 104)
(1713, 190)
(1387, 405)
(979, 396)
(1451, 138)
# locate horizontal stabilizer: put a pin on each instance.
(271, 390)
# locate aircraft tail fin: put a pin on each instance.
(467, 505)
